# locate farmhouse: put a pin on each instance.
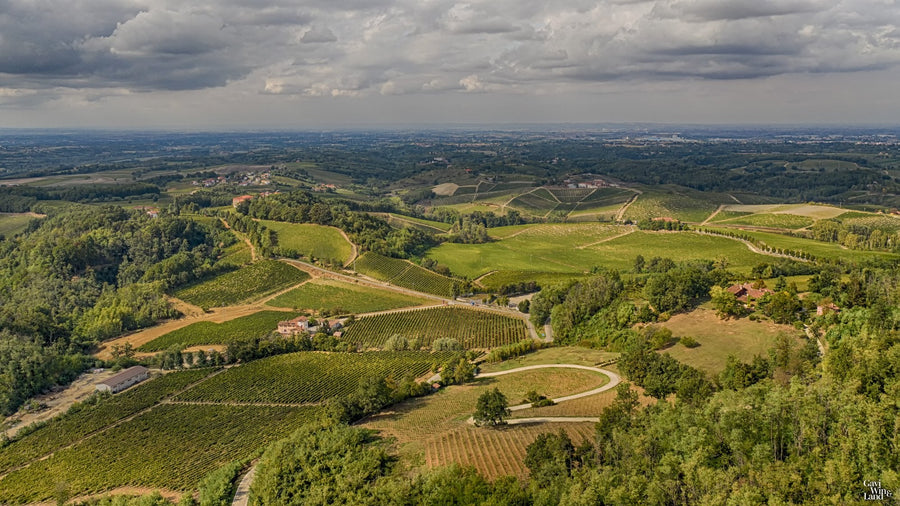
(295, 326)
(124, 379)
(745, 292)
(822, 309)
(243, 198)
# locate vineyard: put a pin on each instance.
(533, 204)
(170, 447)
(403, 273)
(607, 197)
(786, 221)
(70, 427)
(684, 206)
(337, 297)
(308, 377)
(498, 279)
(245, 328)
(495, 453)
(247, 283)
(570, 195)
(471, 328)
(544, 247)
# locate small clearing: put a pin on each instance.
(445, 189)
(719, 338)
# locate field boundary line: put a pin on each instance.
(621, 212)
(354, 252)
(601, 241)
(753, 248)
(713, 215)
(241, 236)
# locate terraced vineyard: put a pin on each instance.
(244, 328)
(338, 297)
(71, 427)
(471, 328)
(403, 273)
(169, 447)
(307, 377)
(247, 283)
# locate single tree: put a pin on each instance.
(491, 408)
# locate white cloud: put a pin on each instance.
(433, 48)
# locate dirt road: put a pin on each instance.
(614, 380)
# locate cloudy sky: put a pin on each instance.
(327, 63)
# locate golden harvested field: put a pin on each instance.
(720, 338)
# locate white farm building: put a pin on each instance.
(124, 379)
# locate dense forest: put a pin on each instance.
(83, 276)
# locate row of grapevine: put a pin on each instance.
(247, 283)
(471, 328)
(72, 426)
(571, 195)
(308, 377)
(380, 266)
(170, 447)
(405, 274)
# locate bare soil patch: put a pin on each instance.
(58, 401)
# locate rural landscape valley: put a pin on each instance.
(570, 316)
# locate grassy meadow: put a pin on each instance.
(719, 338)
(310, 240)
(576, 248)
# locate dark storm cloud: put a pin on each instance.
(717, 10)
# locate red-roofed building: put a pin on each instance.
(295, 326)
(243, 198)
(745, 292)
(823, 309)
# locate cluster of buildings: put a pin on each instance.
(301, 324)
(244, 198)
(593, 183)
(242, 179)
(746, 293)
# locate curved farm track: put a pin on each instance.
(614, 380)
